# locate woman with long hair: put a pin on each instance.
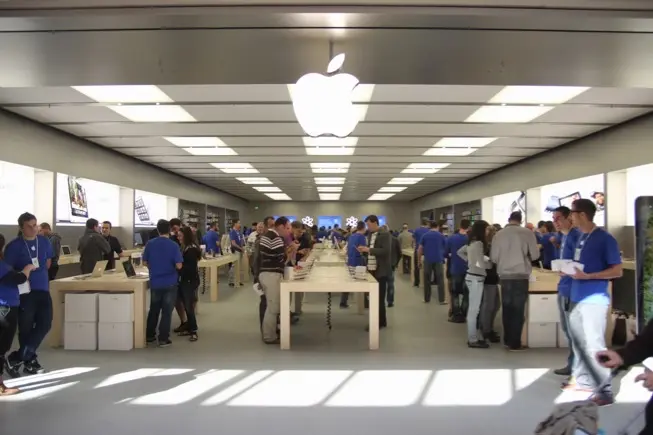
(9, 306)
(477, 264)
(189, 280)
(491, 299)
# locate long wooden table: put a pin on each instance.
(74, 258)
(116, 282)
(328, 280)
(333, 258)
(212, 264)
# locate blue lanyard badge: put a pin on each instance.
(35, 260)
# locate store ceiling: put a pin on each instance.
(231, 80)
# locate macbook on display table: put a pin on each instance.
(131, 273)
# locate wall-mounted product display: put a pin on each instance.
(232, 217)
(79, 199)
(427, 214)
(644, 258)
(639, 182)
(149, 208)
(504, 205)
(215, 215)
(191, 213)
(444, 214)
(17, 192)
(566, 192)
(329, 221)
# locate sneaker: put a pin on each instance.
(565, 371)
(6, 391)
(33, 367)
(480, 344)
(275, 341)
(165, 343)
(493, 337)
(344, 306)
(231, 284)
(517, 348)
(12, 366)
(240, 284)
(181, 328)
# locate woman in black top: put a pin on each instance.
(189, 280)
(491, 299)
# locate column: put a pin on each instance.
(44, 195)
(173, 207)
(616, 209)
(533, 206)
(487, 209)
(127, 216)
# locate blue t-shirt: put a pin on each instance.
(234, 235)
(20, 252)
(566, 252)
(417, 235)
(598, 252)
(433, 246)
(355, 258)
(9, 296)
(212, 241)
(162, 255)
(548, 249)
(322, 234)
(458, 266)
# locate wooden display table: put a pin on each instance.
(212, 264)
(108, 283)
(328, 280)
(74, 258)
(332, 258)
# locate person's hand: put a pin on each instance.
(363, 249)
(553, 240)
(580, 274)
(646, 378)
(609, 359)
(27, 269)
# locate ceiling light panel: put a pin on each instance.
(195, 142)
(153, 113)
(215, 151)
(254, 180)
(330, 168)
(329, 180)
(329, 188)
(537, 94)
(235, 168)
(405, 181)
(507, 114)
(424, 168)
(278, 196)
(449, 152)
(267, 189)
(380, 196)
(124, 94)
(392, 189)
(329, 196)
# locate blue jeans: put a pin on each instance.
(34, 322)
(587, 323)
(563, 306)
(391, 288)
(475, 284)
(162, 301)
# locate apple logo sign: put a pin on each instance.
(323, 103)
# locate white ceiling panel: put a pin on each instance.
(50, 95)
(434, 93)
(615, 96)
(72, 113)
(592, 114)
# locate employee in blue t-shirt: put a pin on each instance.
(567, 242)
(212, 239)
(237, 242)
(433, 246)
(35, 317)
(417, 238)
(355, 258)
(458, 270)
(598, 252)
(163, 259)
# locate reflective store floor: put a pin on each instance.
(423, 381)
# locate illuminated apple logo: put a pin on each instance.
(323, 103)
(308, 221)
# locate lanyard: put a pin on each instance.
(29, 251)
(562, 245)
(583, 241)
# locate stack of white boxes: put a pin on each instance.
(116, 327)
(543, 318)
(81, 321)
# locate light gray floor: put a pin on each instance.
(423, 381)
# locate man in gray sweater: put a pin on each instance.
(513, 250)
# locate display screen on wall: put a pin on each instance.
(149, 208)
(639, 182)
(504, 205)
(644, 259)
(565, 193)
(79, 199)
(16, 191)
(329, 221)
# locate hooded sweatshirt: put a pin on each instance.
(55, 241)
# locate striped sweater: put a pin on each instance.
(272, 252)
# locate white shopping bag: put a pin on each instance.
(24, 288)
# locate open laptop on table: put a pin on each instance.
(131, 272)
(65, 250)
(98, 271)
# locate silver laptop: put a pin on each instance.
(131, 272)
(98, 271)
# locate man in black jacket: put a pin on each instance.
(634, 352)
(396, 258)
(379, 260)
(92, 247)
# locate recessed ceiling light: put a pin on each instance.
(537, 94)
(329, 196)
(394, 189)
(330, 168)
(195, 142)
(215, 151)
(235, 168)
(405, 181)
(254, 180)
(153, 113)
(380, 196)
(278, 196)
(328, 151)
(329, 180)
(329, 188)
(268, 189)
(124, 94)
(507, 114)
(424, 168)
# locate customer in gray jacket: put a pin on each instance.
(379, 260)
(513, 250)
(477, 264)
(92, 247)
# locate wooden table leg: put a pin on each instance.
(140, 314)
(213, 277)
(55, 336)
(285, 320)
(360, 302)
(374, 318)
